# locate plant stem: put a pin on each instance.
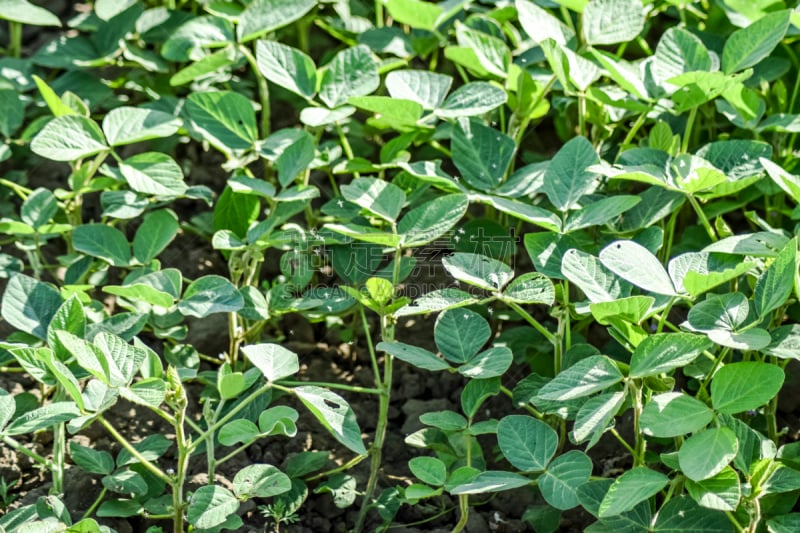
(18, 447)
(90, 511)
(263, 91)
(525, 406)
(14, 38)
(349, 388)
(703, 219)
(346, 466)
(156, 471)
(640, 444)
(191, 447)
(533, 322)
(687, 134)
(59, 457)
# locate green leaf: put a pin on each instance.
(481, 153)
(208, 64)
(42, 417)
(416, 13)
(478, 270)
(235, 212)
(335, 414)
(91, 460)
(612, 21)
(633, 486)
(151, 448)
(429, 470)
(636, 264)
(291, 150)
(631, 309)
(567, 177)
(210, 294)
(600, 212)
(594, 417)
(7, 408)
(106, 242)
(30, 305)
(491, 481)
(431, 220)
(488, 364)
(589, 274)
(530, 288)
(379, 197)
(230, 385)
(126, 482)
(788, 523)
(188, 41)
(476, 392)
(673, 414)
(719, 312)
(274, 361)
(776, 283)
(156, 232)
(39, 208)
(748, 46)
(460, 334)
(265, 16)
(260, 481)
(390, 112)
(428, 89)
(24, 12)
(14, 106)
(153, 173)
(679, 51)
(352, 72)
(785, 342)
(721, 492)
(707, 453)
(527, 443)
(69, 138)
(541, 25)
(237, 431)
(751, 339)
(414, 355)
(278, 420)
(664, 352)
(444, 420)
(682, 515)
(471, 99)
(288, 67)
(786, 181)
(127, 125)
(225, 119)
(149, 392)
(491, 52)
(210, 506)
(438, 300)
(743, 386)
(560, 482)
(698, 272)
(587, 376)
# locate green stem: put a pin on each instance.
(90, 511)
(346, 466)
(135, 453)
(533, 322)
(263, 91)
(379, 13)
(372, 356)
(640, 444)
(191, 447)
(14, 38)
(703, 219)
(525, 406)
(18, 447)
(635, 129)
(59, 458)
(624, 443)
(349, 388)
(687, 134)
(582, 114)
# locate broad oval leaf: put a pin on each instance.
(721, 492)
(429, 470)
(265, 16)
(352, 72)
(478, 270)
(288, 67)
(260, 481)
(335, 414)
(488, 364)
(153, 173)
(223, 118)
(481, 153)
(413, 355)
(531, 288)
(210, 506)
(428, 89)
(106, 242)
(46, 416)
(491, 481)
(748, 46)
(471, 99)
(69, 138)
(377, 196)
(29, 305)
(743, 386)
(673, 414)
(25, 12)
(612, 21)
(707, 453)
(666, 351)
(274, 361)
(460, 334)
(589, 375)
(567, 177)
(127, 125)
(210, 294)
(562, 479)
(431, 220)
(632, 487)
(636, 264)
(527, 443)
